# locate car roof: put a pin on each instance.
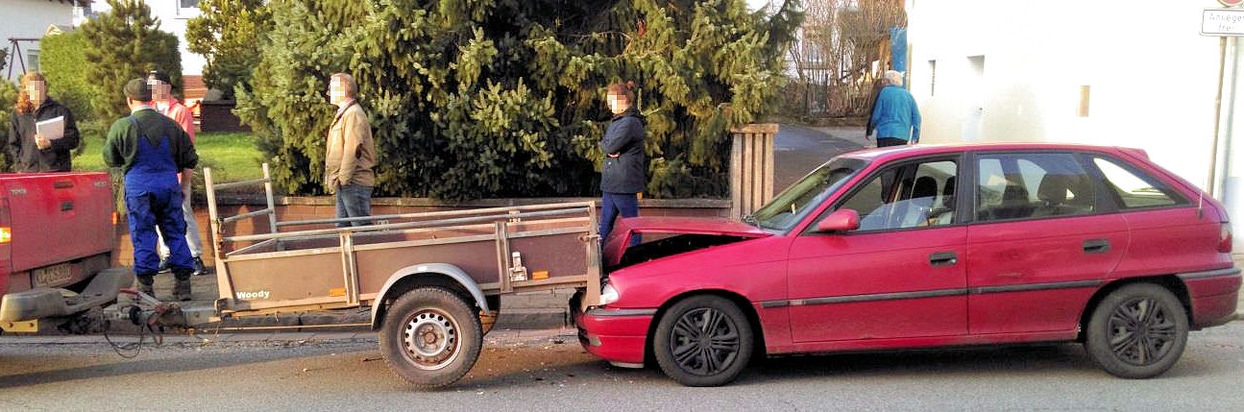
(903, 152)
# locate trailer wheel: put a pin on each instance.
(430, 337)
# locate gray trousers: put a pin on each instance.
(192, 231)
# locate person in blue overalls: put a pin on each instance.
(151, 149)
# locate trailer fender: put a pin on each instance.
(451, 271)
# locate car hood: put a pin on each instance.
(616, 245)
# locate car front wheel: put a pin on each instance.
(703, 341)
(1138, 331)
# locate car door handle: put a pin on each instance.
(943, 259)
(1093, 246)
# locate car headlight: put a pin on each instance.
(608, 295)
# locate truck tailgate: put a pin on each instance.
(57, 217)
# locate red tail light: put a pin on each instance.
(1224, 238)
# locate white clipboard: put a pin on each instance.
(51, 129)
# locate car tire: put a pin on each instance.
(703, 341)
(430, 337)
(1138, 331)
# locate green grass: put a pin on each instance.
(232, 156)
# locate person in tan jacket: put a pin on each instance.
(350, 153)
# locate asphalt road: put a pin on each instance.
(554, 374)
(799, 149)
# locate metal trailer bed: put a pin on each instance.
(432, 280)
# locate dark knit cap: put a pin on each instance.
(137, 89)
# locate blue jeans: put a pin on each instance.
(614, 204)
(353, 201)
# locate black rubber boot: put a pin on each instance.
(181, 289)
(146, 283)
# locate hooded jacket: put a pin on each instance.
(625, 137)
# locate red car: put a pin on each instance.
(927, 246)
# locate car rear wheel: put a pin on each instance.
(703, 341)
(1138, 331)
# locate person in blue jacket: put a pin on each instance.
(895, 117)
(152, 149)
(622, 178)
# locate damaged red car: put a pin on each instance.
(922, 247)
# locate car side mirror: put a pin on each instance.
(843, 220)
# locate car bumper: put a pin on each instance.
(616, 335)
(1215, 295)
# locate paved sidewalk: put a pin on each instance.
(496, 337)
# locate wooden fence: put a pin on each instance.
(751, 168)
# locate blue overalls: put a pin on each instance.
(153, 196)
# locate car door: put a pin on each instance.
(1168, 234)
(1042, 241)
(898, 275)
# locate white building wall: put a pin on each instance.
(173, 20)
(1152, 78)
(29, 19)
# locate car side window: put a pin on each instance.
(1134, 189)
(1032, 185)
(907, 196)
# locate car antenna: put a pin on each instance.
(1200, 204)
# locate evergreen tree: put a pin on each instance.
(226, 33)
(124, 44)
(62, 58)
(8, 99)
(474, 99)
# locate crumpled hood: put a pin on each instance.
(615, 246)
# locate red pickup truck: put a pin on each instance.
(56, 243)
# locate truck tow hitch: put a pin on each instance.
(148, 313)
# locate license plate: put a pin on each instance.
(56, 275)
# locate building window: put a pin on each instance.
(1084, 101)
(187, 7)
(32, 60)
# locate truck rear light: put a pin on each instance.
(6, 234)
(1224, 238)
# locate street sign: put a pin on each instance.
(1231, 3)
(1222, 22)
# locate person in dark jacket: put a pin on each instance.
(622, 177)
(895, 117)
(151, 149)
(31, 151)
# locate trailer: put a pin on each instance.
(432, 280)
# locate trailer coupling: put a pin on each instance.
(142, 309)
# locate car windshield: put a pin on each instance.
(800, 198)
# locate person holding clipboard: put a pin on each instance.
(42, 132)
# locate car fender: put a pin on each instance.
(445, 269)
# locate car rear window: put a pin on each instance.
(1133, 188)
